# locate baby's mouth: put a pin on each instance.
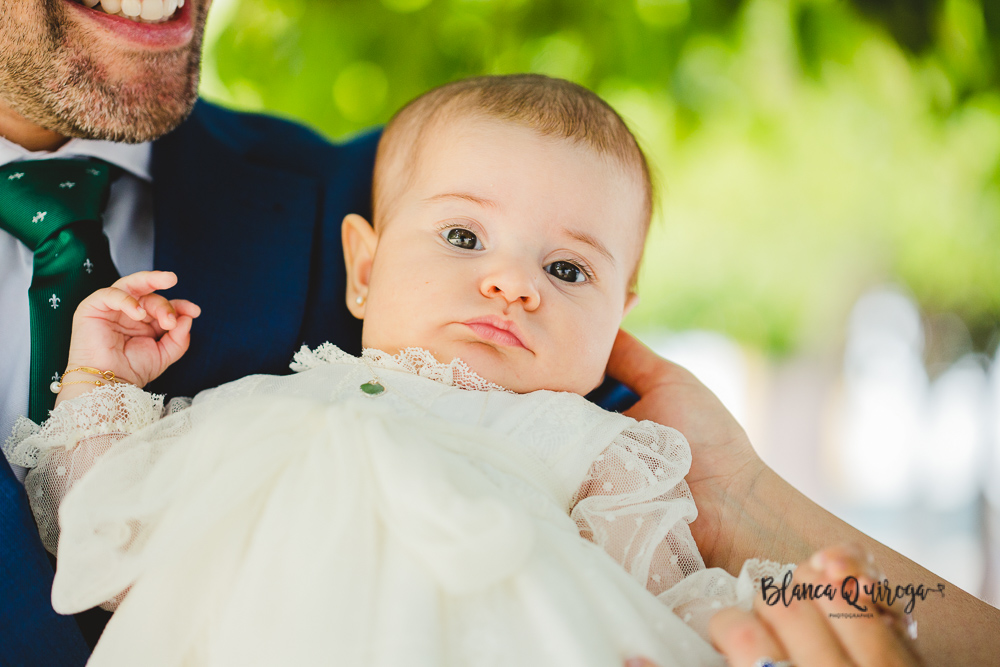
(141, 11)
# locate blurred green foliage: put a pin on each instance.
(805, 150)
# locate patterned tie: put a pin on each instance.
(54, 207)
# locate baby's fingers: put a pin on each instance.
(145, 282)
(110, 300)
(185, 307)
(175, 342)
(160, 310)
(165, 313)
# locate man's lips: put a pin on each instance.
(497, 330)
(170, 33)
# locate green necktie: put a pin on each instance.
(54, 207)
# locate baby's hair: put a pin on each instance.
(552, 107)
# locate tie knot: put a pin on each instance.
(40, 197)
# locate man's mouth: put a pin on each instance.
(142, 11)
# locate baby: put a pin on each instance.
(422, 504)
(510, 216)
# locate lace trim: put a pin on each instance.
(415, 360)
(759, 568)
(120, 408)
(26, 457)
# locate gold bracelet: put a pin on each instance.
(108, 378)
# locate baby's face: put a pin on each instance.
(511, 251)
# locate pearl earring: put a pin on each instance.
(360, 301)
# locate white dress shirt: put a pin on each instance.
(128, 224)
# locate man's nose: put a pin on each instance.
(511, 284)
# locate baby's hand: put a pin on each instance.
(130, 330)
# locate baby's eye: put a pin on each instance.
(567, 271)
(462, 238)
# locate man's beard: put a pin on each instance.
(52, 78)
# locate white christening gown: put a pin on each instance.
(296, 520)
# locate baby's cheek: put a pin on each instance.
(600, 352)
(584, 367)
(380, 326)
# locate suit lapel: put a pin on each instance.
(239, 237)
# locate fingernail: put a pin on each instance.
(142, 311)
(638, 662)
(828, 562)
(871, 568)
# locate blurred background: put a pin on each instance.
(826, 249)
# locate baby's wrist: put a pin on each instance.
(79, 380)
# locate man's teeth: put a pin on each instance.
(144, 11)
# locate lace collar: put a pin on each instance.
(415, 360)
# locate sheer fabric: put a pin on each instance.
(298, 507)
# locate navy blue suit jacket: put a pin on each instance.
(247, 212)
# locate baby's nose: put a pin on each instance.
(512, 285)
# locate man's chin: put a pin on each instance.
(149, 129)
(124, 113)
(129, 116)
(77, 78)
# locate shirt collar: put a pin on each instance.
(133, 158)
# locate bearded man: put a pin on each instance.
(234, 204)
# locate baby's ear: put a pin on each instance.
(359, 241)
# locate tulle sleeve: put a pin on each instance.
(64, 447)
(635, 504)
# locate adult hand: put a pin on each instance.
(129, 329)
(724, 468)
(746, 510)
(808, 633)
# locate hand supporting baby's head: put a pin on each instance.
(510, 215)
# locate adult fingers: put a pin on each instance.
(802, 627)
(744, 639)
(634, 364)
(857, 624)
(851, 560)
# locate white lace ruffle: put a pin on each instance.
(698, 597)
(65, 446)
(119, 408)
(15, 451)
(415, 360)
(636, 505)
